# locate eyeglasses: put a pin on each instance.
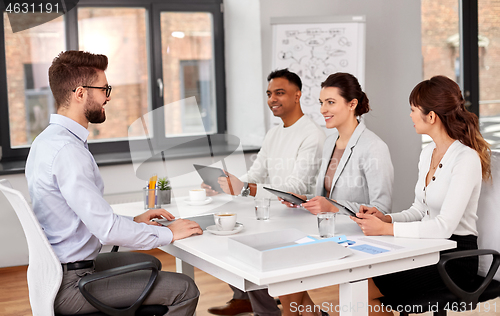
(107, 88)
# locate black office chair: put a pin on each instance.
(45, 271)
(136, 309)
(455, 298)
(486, 285)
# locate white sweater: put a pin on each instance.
(289, 158)
(448, 204)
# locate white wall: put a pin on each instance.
(393, 67)
(244, 79)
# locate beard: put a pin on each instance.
(93, 111)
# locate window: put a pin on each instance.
(440, 41)
(188, 70)
(489, 70)
(120, 34)
(159, 53)
(474, 64)
(29, 54)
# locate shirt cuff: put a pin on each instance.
(408, 230)
(397, 217)
(165, 236)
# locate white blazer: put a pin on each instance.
(364, 175)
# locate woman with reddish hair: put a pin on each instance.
(451, 169)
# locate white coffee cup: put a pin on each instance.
(225, 221)
(197, 195)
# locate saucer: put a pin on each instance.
(237, 228)
(198, 203)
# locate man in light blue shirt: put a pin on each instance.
(66, 189)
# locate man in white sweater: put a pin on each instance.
(288, 160)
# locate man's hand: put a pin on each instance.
(183, 228)
(319, 204)
(147, 216)
(230, 182)
(372, 225)
(375, 212)
(208, 189)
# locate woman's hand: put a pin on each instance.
(208, 189)
(303, 197)
(375, 212)
(372, 225)
(319, 204)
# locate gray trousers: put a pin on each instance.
(263, 304)
(177, 291)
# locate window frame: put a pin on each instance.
(120, 148)
(469, 56)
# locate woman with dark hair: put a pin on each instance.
(451, 169)
(356, 167)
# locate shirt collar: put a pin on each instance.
(76, 129)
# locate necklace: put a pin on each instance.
(438, 160)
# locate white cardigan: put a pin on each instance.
(448, 205)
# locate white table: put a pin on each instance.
(209, 253)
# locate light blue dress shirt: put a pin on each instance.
(66, 190)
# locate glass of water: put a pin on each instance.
(326, 224)
(262, 208)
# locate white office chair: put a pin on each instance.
(488, 214)
(45, 270)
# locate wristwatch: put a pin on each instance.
(245, 191)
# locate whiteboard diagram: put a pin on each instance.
(315, 50)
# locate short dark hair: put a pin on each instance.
(288, 75)
(72, 69)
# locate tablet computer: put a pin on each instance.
(210, 176)
(342, 208)
(289, 197)
(204, 220)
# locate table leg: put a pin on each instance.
(353, 298)
(184, 268)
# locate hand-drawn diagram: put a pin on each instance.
(314, 51)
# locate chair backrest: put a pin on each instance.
(488, 213)
(44, 270)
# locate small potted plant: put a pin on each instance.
(164, 191)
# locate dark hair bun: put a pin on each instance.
(363, 105)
